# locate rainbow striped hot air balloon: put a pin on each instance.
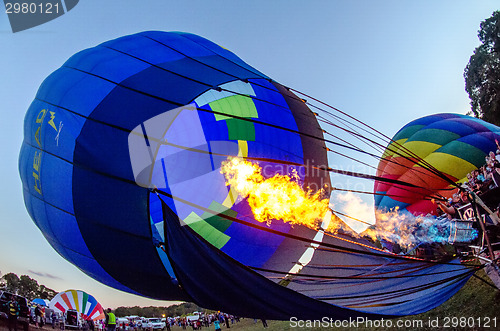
(80, 301)
(428, 153)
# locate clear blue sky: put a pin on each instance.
(384, 62)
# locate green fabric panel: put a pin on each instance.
(85, 298)
(464, 151)
(407, 132)
(394, 148)
(237, 105)
(219, 222)
(240, 130)
(207, 231)
(435, 136)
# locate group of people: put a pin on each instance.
(219, 320)
(479, 181)
(13, 310)
(488, 176)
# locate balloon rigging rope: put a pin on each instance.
(347, 145)
(299, 238)
(370, 130)
(421, 161)
(230, 218)
(349, 173)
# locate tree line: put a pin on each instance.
(25, 286)
(172, 311)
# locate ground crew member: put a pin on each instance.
(13, 310)
(110, 321)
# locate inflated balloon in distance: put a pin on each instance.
(80, 301)
(450, 144)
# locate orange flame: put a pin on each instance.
(278, 197)
(281, 197)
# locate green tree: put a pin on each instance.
(45, 293)
(482, 73)
(28, 287)
(11, 282)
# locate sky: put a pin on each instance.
(383, 62)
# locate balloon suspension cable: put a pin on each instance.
(479, 220)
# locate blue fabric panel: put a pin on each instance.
(388, 203)
(74, 90)
(213, 130)
(462, 129)
(213, 47)
(56, 182)
(119, 238)
(40, 216)
(285, 145)
(166, 85)
(106, 63)
(247, 254)
(166, 262)
(222, 52)
(378, 198)
(145, 49)
(252, 246)
(275, 115)
(111, 158)
(478, 126)
(178, 42)
(155, 210)
(427, 120)
(36, 210)
(137, 107)
(101, 199)
(484, 141)
(268, 92)
(197, 71)
(90, 267)
(65, 230)
(224, 65)
(488, 126)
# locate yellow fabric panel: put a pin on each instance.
(450, 164)
(232, 195)
(421, 148)
(393, 147)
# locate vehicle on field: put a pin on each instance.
(122, 323)
(156, 323)
(71, 320)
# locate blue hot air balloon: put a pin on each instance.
(120, 166)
